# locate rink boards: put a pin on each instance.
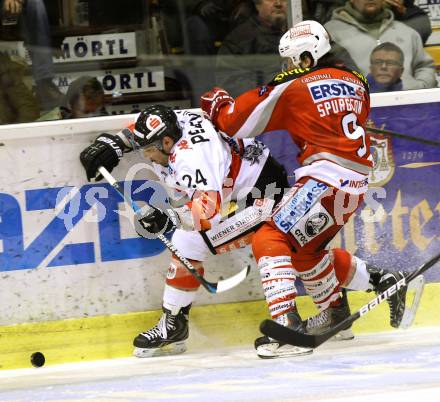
(72, 266)
(212, 326)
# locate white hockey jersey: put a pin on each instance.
(203, 160)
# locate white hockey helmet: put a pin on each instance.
(306, 36)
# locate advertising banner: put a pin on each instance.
(68, 247)
(120, 81)
(98, 47)
(83, 48)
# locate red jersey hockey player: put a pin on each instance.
(324, 107)
(190, 156)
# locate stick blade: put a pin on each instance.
(415, 289)
(233, 281)
(286, 335)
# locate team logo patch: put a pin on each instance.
(253, 152)
(300, 30)
(383, 160)
(263, 90)
(153, 122)
(316, 223)
(171, 273)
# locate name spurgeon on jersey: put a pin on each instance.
(335, 96)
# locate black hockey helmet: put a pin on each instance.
(154, 123)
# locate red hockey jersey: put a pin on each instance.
(324, 110)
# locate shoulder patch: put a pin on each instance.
(289, 75)
(360, 76)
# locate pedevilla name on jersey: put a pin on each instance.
(335, 96)
(193, 136)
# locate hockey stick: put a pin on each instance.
(212, 287)
(297, 338)
(404, 136)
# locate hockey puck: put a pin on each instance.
(37, 359)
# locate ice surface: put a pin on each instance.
(393, 366)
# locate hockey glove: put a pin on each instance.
(156, 222)
(212, 101)
(105, 151)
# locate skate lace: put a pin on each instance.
(318, 320)
(160, 329)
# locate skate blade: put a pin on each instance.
(344, 335)
(416, 287)
(170, 349)
(273, 350)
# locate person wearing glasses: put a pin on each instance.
(386, 68)
(360, 25)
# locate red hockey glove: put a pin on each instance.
(212, 101)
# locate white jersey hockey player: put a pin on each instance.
(190, 156)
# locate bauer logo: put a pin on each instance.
(330, 89)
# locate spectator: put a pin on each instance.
(17, 104)
(35, 25)
(258, 35)
(84, 98)
(404, 10)
(360, 25)
(386, 68)
(206, 25)
(320, 10)
(411, 15)
(209, 21)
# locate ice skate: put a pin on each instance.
(329, 318)
(167, 337)
(381, 281)
(268, 348)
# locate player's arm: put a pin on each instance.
(201, 182)
(201, 213)
(238, 118)
(205, 209)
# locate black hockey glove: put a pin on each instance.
(105, 151)
(156, 222)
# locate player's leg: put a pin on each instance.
(363, 276)
(322, 283)
(272, 253)
(168, 336)
(311, 219)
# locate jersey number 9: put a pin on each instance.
(354, 132)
